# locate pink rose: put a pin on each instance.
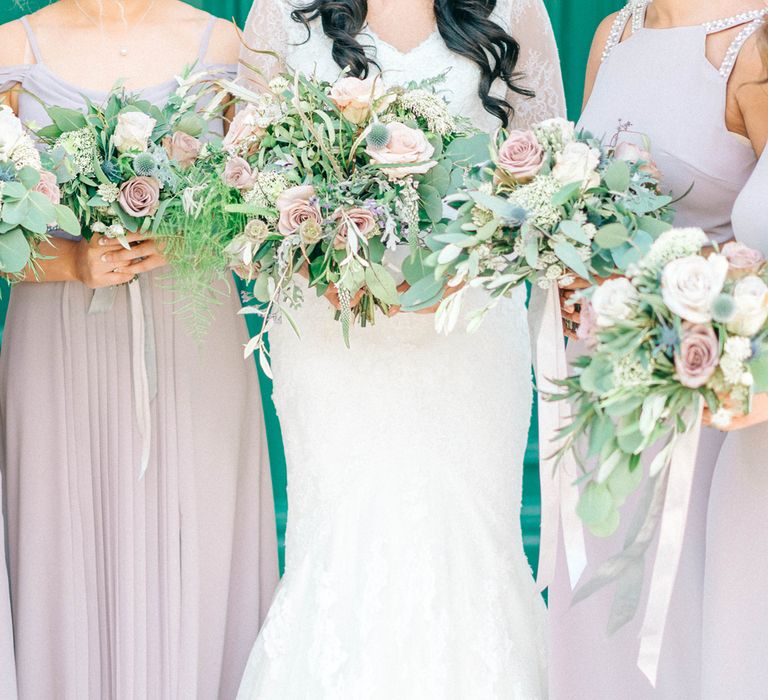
(297, 205)
(140, 196)
(521, 155)
(698, 356)
(237, 173)
(407, 147)
(360, 218)
(632, 153)
(49, 186)
(355, 98)
(245, 130)
(182, 148)
(742, 260)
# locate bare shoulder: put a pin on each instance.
(225, 43)
(13, 43)
(603, 32)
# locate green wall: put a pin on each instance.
(574, 22)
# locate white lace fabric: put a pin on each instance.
(405, 572)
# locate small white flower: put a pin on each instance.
(732, 369)
(672, 244)
(99, 227)
(722, 418)
(114, 231)
(747, 379)
(738, 347)
(109, 192)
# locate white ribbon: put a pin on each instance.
(143, 355)
(559, 493)
(671, 539)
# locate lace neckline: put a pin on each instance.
(418, 47)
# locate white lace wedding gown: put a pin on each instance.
(405, 574)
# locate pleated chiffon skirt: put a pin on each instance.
(129, 587)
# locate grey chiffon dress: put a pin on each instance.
(735, 605)
(659, 83)
(128, 587)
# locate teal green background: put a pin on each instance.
(574, 22)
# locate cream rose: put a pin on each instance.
(614, 300)
(246, 129)
(408, 148)
(133, 131)
(49, 186)
(355, 97)
(11, 132)
(182, 148)
(750, 296)
(238, 173)
(742, 259)
(632, 153)
(297, 205)
(577, 163)
(362, 219)
(690, 285)
(521, 155)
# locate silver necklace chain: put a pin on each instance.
(123, 49)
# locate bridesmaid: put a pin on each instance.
(735, 605)
(125, 587)
(683, 72)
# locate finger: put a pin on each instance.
(153, 262)
(120, 255)
(102, 240)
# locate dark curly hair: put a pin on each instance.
(465, 25)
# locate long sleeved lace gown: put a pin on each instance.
(405, 571)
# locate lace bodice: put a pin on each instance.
(270, 28)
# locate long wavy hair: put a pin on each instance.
(465, 25)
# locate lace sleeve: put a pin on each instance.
(268, 28)
(539, 63)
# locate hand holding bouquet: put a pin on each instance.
(681, 329)
(30, 199)
(553, 205)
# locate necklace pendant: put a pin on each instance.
(124, 51)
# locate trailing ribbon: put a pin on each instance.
(143, 354)
(677, 502)
(559, 493)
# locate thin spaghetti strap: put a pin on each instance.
(206, 39)
(732, 55)
(32, 40)
(634, 11)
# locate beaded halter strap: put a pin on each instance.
(636, 10)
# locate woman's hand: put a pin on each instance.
(92, 265)
(570, 309)
(758, 415)
(143, 256)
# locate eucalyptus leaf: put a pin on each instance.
(67, 221)
(612, 235)
(67, 119)
(568, 254)
(617, 176)
(423, 291)
(431, 203)
(381, 284)
(14, 251)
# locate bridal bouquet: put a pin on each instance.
(125, 161)
(30, 200)
(679, 330)
(553, 205)
(330, 177)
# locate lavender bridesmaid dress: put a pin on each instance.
(735, 604)
(7, 665)
(661, 82)
(125, 587)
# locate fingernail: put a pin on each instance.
(102, 241)
(105, 257)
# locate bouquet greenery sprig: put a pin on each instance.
(331, 177)
(552, 205)
(125, 161)
(683, 328)
(30, 201)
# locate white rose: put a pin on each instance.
(751, 297)
(689, 286)
(11, 132)
(614, 300)
(133, 131)
(577, 163)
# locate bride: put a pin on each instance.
(405, 574)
